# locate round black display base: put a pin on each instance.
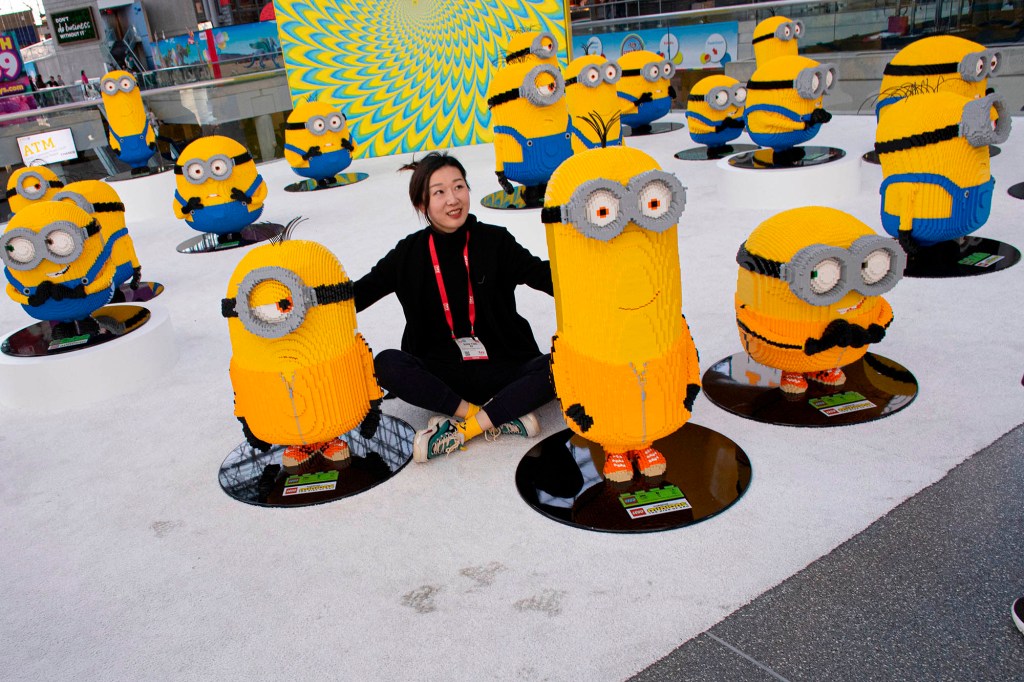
(209, 242)
(339, 180)
(656, 128)
(52, 338)
(1016, 191)
(258, 478)
(561, 478)
(875, 387)
(872, 156)
(714, 153)
(146, 291)
(796, 157)
(138, 173)
(523, 197)
(965, 257)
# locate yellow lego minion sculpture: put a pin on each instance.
(714, 110)
(31, 184)
(623, 361)
(809, 293)
(317, 144)
(57, 263)
(219, 189)
(646, 87)
(131, 137)
(593, 102)
(531, 123)
(102, 202)
(934, 153)
(938, 63)
(532, 47)
(776, 37)
(784, 101)
(301, 372)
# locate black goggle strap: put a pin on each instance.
(632, 72)
(695, 98)
(769, 85)
(919, 69)
(54, 184)
(244, 157)
(108, 207)
(92, 228)
(758, 264)
(511, 56)
(502, 97)
(761, 39)
(295, 125)
(950, 132)
(551, 214)
(325, 293)
(572, 81)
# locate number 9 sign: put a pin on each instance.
(10, 59)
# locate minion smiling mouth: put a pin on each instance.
(843, 311)
(656, 294)
(60, 272)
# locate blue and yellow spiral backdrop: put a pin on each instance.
(410, 75)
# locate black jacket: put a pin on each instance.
(497, 262)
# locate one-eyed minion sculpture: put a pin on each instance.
(31, 184)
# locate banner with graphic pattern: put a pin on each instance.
(410, 75)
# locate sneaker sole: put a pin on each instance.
(1017, 610)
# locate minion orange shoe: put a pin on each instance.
(649, 461)
(296, 455)
(793, 382)
(829, 377)
(617, 467)
(335, 450)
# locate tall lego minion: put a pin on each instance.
(219, 189)
(593, 102)
(317, 143)
(131, 137)
(623, 361)
(531, 123)
(301, 372)
(808, 293)
(646, 87)
(102, 202)
(532, 47)
(938, 63)
(934, 153)
(776, 37)
(714, 110)
(784, 101)
(31, 184)
(57, 264)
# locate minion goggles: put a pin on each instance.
(593, 75)
(32, 193)
(973, 68)
(196, 171)
(784, 32)
(976, 126)
(124, 84)
(721, 97)
(60, 242)
(278, 319)
(319, 125)
(821, 275)
(653, 71)
(530, 91)
(538, 48)
(601, 208)
(810, 83)
(88, 206)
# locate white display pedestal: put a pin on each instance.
(826, 184)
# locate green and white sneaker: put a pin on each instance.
(526, 426)
(439, 439)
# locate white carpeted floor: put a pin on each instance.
(122, 559)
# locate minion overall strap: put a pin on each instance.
(180, 199)
(293, 148)
(776, 109)
(511, 132)
(145, 129)
(104, 256)
(255, 184)
(717, 125)
(626, 96)
(925, 178)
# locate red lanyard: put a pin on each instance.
(444, 294)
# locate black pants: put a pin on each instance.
(507, 389)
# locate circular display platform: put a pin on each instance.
(1016, 191)
(872, 156)
(258, 478)
(796, 157)
(51, 338)
(966, 257)
(803, 176)
(339, 180)
(146, 291)
(875, 387)
(656, 128)
(707, 473)
(209, 242)
(522, 197)
(138, 173)
(133, 346)
(714, 153)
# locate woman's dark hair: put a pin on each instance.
(422, 171)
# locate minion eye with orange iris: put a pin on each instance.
(284, 305)
(654, 204)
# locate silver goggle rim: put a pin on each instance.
(31, 194)
(796, 30)
(977, 126)
(77, 199)
(968, 67)
(602, 75)
(537, 48)
(118, 85)
(528, 90)
(303, 298)
(628, 197)
(207, 170)
(646, 72)
(42, 252)
(326, 120)
(732, 93)
(804, 81)
(797, 272)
